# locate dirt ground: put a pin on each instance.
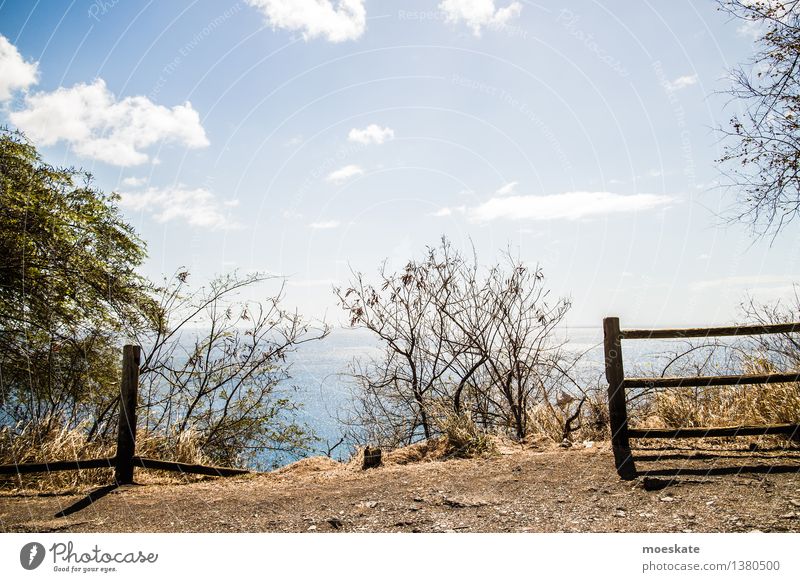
(520, 489)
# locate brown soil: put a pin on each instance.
(520, 489)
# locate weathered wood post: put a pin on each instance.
(617, 405)
(128, 398)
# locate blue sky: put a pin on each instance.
(308, 137)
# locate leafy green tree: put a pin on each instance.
(68, 286)
(214, 370)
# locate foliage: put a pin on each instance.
(480, 346)
(215, 364)
(68, 286)
(214, 369)
(762, 151)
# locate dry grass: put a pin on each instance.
(730, 405)
(592, 423)
(35, 444)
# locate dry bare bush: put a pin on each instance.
(480, 344)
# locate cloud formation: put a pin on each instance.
(506, 189)
(479, 13)
(316, 18)
(566, 206)
(745, 281)
(15, 72)
(343, 174)
(195, 207)
(371, 134)
(680, 83)
(100, 127)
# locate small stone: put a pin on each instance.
(335, 522)
(312, 528)
(667, 499)
(620, 512)
(791, 515)
(565, 444)
(588, 444)
(795, 502)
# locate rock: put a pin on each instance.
(791, 515)
(372, 458)
(312, 528)
(620, 513)
(335, 522)
(565, 444)
(667, 499)
(367, 504)
(795, 502)
(588, 444)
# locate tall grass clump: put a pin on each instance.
(51, 441)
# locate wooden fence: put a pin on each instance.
(618, 384)
(126, 459)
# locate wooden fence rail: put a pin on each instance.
(125, 460)
(618, 383)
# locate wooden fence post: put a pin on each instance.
(617, 405)
(128, 399)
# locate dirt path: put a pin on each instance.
(527, 490)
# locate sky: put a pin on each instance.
(314, 138)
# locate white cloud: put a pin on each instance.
(133, 182)
(324, 225)
(781, 282)
(315, 18)
(15, 72)
(343, 174)
(680, 83)
(752, 29)
(196, 207)
(98, 126)
(371, 134)
(569, 206)
(479, 13)
(294, 141)
(506, 189)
